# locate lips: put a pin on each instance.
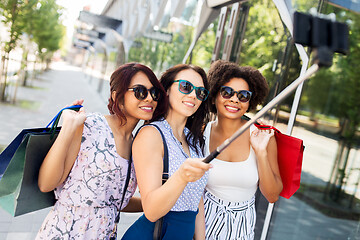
(189, 104)
(147, 108)
(232, 108)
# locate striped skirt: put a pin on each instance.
(229, 220)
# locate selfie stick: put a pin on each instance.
(281, 96)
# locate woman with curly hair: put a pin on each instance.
(248, 163)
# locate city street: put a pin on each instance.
(35, 107)
(50, 91)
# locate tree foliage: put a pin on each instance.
(12, 12)
(265, 38)
(347, 80)
(47, 30)
(39, 20)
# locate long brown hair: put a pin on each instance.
(195, 122)
(120, 81)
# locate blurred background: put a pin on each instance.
(53, 52)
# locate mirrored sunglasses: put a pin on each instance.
(187, 87)
(243, 95)
(141, 92)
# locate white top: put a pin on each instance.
(232, 181)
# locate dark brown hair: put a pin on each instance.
(195, 122)
(221, 72)
(120, 81)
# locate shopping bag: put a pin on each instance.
(19, 168)
(290, 155)
(9, 152)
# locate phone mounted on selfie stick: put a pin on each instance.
(324, 36)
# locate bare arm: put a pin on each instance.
(61, 157)
(264, 145)
(200, 222)
(158, 199)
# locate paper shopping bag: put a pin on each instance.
(19, 191)
(9, 152)
(290, 155)
(19, 169)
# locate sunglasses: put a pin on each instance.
(141, 92)
(243, 95)
(187, 87)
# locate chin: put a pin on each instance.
(233, 116)
(146, 118)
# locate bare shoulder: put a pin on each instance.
(147, 137)
(148, 151)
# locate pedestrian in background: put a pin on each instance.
(247, 163)
(89, 161)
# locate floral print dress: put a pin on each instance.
(89, 199)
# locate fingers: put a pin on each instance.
(193, 169)
(81, 110)
(76, 102)
(198, 163)
(265, 132)
(262, 122)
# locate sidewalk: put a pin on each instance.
(35, 107)
(63, 84)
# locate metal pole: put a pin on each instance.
(281, 96)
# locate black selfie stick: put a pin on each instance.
(326, 37)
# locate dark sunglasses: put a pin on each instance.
(243, 95)
(187, 87)
(141, 92)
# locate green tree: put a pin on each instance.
(28, 19)
(264, 38)
(346, 98)
(203, 49)
(47, 30)
(179, 46)
(13, 12)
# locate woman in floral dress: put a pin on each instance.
(88, 163)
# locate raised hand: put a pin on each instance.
(259, 139)
(193, 169)
(74, 117)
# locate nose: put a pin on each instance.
(193, 93)
(234, 98)
(148, 97)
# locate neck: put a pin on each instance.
(228, 126)
(124, 130)
(177, 124)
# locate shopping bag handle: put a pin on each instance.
(55, 120)
(259, 126)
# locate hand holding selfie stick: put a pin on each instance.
(326, 37)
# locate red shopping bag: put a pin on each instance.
(290, 155)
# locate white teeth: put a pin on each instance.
(146, 108)
(189, 104)
(232, 108)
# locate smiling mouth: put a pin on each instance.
(189, 104)
(148, 109)
(232, 109)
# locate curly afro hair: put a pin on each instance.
(221, 72)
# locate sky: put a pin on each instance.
(72, 9)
